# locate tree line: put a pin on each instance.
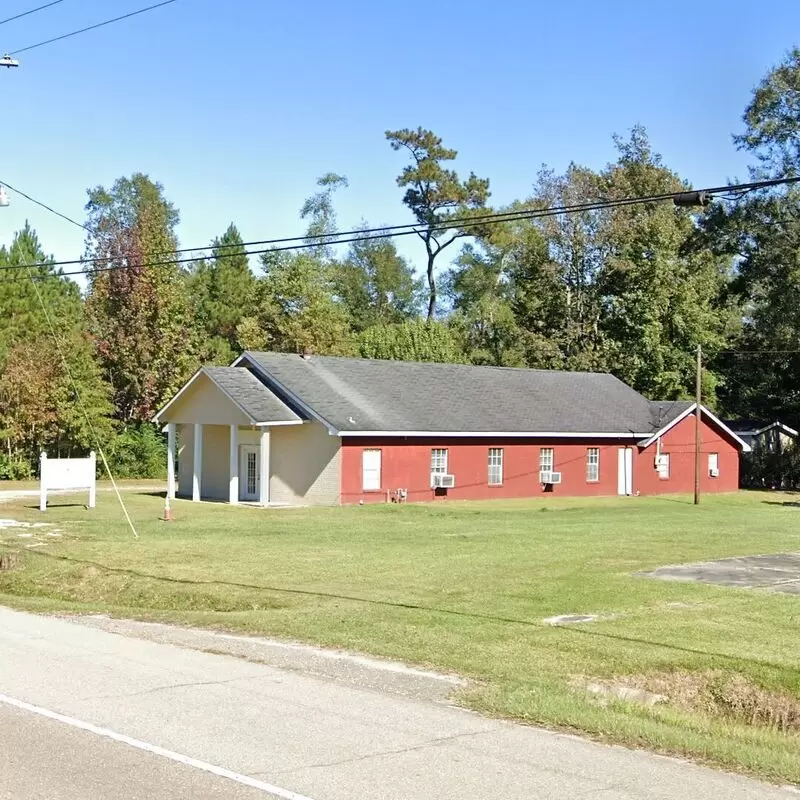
(630, 289)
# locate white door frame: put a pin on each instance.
(625, 471)
(245, 492)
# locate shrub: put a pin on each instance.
(14, 468)
(138, 451)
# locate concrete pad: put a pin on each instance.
(779, 572)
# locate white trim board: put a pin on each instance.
(703, 412)
(784, 428)
(499, 434)
(202, 371)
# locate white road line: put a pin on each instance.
(276, 791)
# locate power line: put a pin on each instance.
(334, 237)
(754, 352)
(362, 234)
(92, 27)
(44, 205)
(32, 11)
(393, 231)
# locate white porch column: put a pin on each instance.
(263, 484)
(233, 487)
(171, 460)
(197, 470)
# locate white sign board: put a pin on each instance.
(67, 473)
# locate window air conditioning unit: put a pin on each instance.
(441, 481)
(714, 473)
(549, 478)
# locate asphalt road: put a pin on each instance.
(48, 760)
(85, 713)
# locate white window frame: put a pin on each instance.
(495, 466)
(439, 460)
(366, 485)
(713, 463)
(663, 469)
(549, 464)
(592, 465)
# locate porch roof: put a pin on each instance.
(245, 392)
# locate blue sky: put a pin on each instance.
(238, 107)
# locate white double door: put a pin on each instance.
(249, 472)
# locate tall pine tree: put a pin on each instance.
(223, 290)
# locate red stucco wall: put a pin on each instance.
(405, 463)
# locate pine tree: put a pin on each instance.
(223, 290)
(39, 407)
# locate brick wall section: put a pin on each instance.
(405, 463)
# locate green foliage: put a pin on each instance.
(481, 295)
(15, 468)
(662, 294)
(627, 289)
(137, 451)
(319, 210)
(762, 234)
(298, 309)
(414, 340)
(39, 409)
(223, 290)
(772, 120)
(435, 195)
(139, 315)
(376, 285)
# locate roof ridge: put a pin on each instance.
(396, 361)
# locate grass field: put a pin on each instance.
(465, 587)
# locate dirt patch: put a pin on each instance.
(720, 694)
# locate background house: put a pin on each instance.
(772, 460)
(344, 430)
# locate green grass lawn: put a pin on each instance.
(464, 587)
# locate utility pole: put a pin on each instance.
(697, 420)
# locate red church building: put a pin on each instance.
(333, 430)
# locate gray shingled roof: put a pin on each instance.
(353, 394)
(250, 394)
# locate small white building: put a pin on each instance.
(226, 430)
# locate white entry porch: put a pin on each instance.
(230, 439)
(201, 474)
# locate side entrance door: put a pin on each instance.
(249, 472)
(625, 471)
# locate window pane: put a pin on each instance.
(713, 462)
(439, 460)
(593, 464)
(495, 466)
(546, 459)
(663, 467)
